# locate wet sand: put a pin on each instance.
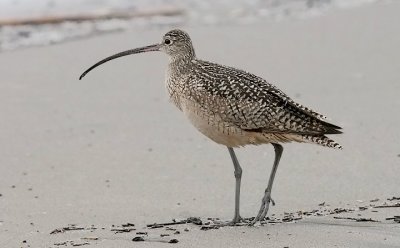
(111, 150)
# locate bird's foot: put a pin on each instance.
(264, 208)
(236, 221)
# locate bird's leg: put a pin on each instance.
(238, 176)
(267, 196)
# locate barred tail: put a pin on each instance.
(321, 140)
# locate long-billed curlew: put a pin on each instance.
(234, 108)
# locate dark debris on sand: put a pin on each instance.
(128, 225)
(122, 230)
(71, 227)
(146, 239)
(395, 218)
(138, 238)
(193, 220)
(356, 219)
(396, 205)
(72, 243)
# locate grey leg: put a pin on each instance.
(267, 196)
(238, 177)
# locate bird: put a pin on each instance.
(234, 108)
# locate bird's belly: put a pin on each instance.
(222, 132)
(216, 130)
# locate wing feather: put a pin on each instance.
(253, 104)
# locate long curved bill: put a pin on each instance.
(155, 47)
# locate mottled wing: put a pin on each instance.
(251, 103)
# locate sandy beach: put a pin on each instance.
(109, 150)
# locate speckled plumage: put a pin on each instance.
(236, 108)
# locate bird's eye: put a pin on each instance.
(167, 41)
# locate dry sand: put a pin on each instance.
(110, 149)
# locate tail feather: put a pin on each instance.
(321, 140)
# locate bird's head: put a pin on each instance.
(176, 43)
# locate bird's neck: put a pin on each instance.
(179, 63)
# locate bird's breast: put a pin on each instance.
(174, 85)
